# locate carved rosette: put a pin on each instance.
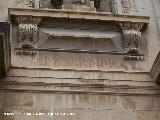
(27, 35)
(132, 40)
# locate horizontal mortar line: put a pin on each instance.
(9, 76)
(80, 92)
(114, 109)
(107, 88)
(59, 86)
(78, 85)
(77, 70)
(82, 51)
(81, 108)
(154, 110)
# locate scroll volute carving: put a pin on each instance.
(132, 40)
(27, 35)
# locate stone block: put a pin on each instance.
(136, 103)
(97, 102)
(54, 101)
(147, 115)
(121, 115)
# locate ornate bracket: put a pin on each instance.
(27, 34)
(132, 40)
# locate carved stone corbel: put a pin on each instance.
(132, 40)
(27, 35)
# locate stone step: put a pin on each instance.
(80, 74)
(39, 81)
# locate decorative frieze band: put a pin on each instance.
(132, 40)
(27, 35)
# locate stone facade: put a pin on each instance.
(79, 59)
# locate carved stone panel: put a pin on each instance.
(27, 35)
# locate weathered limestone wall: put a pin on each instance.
(89, 95)
(90, 107)
(150, 38)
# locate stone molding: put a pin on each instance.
(79, 15)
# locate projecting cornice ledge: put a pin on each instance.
(55, 13)
(131, 27)
(155, 71)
